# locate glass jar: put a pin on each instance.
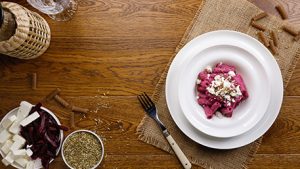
(7, 24)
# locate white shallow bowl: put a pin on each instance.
(86, 131)
(37, 163)
(249, 112)
(270, 66)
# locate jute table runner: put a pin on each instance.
(216, 15)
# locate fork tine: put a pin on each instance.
(144, 99)
(149, 100)
(142, 102)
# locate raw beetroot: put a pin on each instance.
(42, 136)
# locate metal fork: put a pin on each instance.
(151, 110)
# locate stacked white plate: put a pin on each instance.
(262, 76)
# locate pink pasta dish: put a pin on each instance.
(220, 89)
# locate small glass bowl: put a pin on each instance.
(85, 131)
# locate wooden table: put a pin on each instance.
(115, 49)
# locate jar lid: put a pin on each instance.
(1, 15)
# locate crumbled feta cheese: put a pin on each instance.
(210, 90)
(232, 100)
(197, 97)
(217, 77)
(238, 91)
(219, 115)
(223, 87)
(231, 73)
(208, 69)
(198, 81)
(233, 94)
(226, 84)
(217, 83)
(208, 75)
(227, 97)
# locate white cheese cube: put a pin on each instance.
(4, 135)
(30, 165)
(8, 159)
(19, 138)
(6, 147)
(16, 146)
(15, 127)
(19, 153)
(7, 122)
(38, 163)
(30, 119)
(5, 162)
(24, 110)
(29, 152)
(22, 161)
(208, 69)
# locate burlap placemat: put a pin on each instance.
(215, 15)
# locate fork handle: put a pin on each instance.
(180, 155)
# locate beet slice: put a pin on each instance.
(43, 135)
(64, 128)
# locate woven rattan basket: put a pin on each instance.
(32, 36)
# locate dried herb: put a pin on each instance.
(82, 150)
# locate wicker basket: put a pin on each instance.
(32, 36)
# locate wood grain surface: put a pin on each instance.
(113, 50)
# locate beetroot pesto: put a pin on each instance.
(82, 150)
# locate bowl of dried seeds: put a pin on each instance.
(82, 149)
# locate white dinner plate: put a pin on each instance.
(263, 56)
(228, 50)
(37, 162)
